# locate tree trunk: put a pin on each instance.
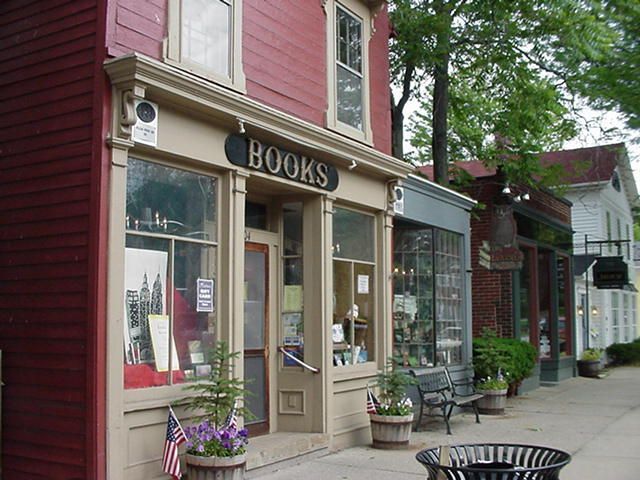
(397, 131)
(441, 97)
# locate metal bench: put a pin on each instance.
(438, 391)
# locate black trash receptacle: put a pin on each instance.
(495, 461)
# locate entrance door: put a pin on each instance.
(256, 335)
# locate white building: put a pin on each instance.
(601, 186)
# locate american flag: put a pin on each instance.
(175, 437)
(372, 402)
(232, 419)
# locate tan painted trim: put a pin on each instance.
(357, 9)
(167, 83)
(172, 55)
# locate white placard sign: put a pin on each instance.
(145, 129)
(159, 326)
(363, 284)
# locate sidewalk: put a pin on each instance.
(596, 420)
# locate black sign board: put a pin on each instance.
(610, 272)
(251, 153)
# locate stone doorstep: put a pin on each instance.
(268, 453)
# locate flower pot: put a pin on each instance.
(216, 468)
(493, 402)
(589, 368)
(390, 432)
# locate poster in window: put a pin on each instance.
(205, 295)
(159, 328)
(145, 294)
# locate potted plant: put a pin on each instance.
(494, 390)
(216, 447)
(589, 363)
(391, 422)
(490, 363)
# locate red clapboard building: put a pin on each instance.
(172, 173)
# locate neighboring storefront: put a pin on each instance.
(265, 239)
(522, 281)
(432, 277)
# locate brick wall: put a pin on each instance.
(492, 292)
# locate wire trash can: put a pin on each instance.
(493, 461)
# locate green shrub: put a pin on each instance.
(514, 358)
(624, 353)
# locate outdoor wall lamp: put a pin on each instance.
(580, 310)
(594, 310)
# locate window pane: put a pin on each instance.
(193, 321)
(255, 215)
(448, 285)
(205, 34)
(349, 41)
(349, 92)
(413, 298)
(353, 235)
(353, 313)
(292, 214)
(525, 294)
(146, 277)
(170, 201)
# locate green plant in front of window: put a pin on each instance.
(514, 358)
(499, 382)
(624, 353)
(591, 354)
(393, 386)
(217, 395)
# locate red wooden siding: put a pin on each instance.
(284, 50)
(47, 71)
(284, 54)
(379, 74)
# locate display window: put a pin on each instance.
(428, 325)
(292, 266)
(170, 275)
(353, 327)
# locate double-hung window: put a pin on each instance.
(349, 78)
(349, 33)
(204, 37)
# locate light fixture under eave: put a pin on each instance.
(526, 196)
(353, 165)
(241, 129)
(594, 310)
(580, 310)
(506, 190)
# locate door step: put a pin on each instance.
(268, 453)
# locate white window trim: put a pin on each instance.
(236, 80)
(359, 10)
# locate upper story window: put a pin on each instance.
(348, 33)
(205, 38)
(349, 68)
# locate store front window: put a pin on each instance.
(565, 311)
(544, 304)
(427, 297)
(353, 326)
(292, 266)
(170, 275)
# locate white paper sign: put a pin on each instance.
(363, 284)
(159, 326)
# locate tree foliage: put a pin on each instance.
(497, 80)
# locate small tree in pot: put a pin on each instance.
(216, 447)
(391, 422)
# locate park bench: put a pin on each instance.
(438, 391)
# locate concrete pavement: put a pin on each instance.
(596, 420)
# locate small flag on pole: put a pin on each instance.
(175, 437)
(232, 419)
(372, 402)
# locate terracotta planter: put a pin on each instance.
(493, 402)
(390, 432)
(589, 368)
(215, 468)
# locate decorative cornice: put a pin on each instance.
(165, 82)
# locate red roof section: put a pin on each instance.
(585, 165)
